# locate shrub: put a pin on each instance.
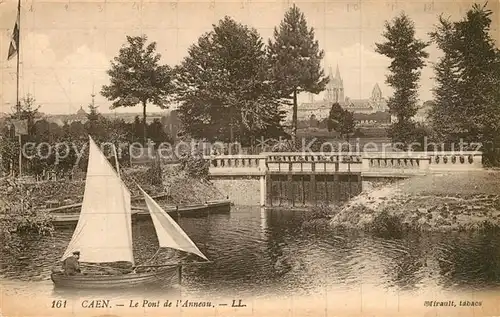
(154, 175)
(319, 212)
(386, 225)
(317, 218)
(195, 165)
(23, 219)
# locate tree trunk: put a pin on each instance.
(144, 125)
(294, 117)
(231, 133)
(231, 125)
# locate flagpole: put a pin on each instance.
(20, 155)
(18, 106)
(18, 53)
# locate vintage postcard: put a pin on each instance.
(249, 158)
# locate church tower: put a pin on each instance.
(335, 88)
(376, 100)
(376, 93)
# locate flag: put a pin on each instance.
(14, 41)
(20, 126)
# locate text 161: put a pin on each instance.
(58, 304)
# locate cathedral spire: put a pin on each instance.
(337, 73)
(335, 88)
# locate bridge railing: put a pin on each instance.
(420, 162)
(312, 161)
(455, 161)
(236, 164)
(397, 163)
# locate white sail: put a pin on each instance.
(103, 233)
(170, 234)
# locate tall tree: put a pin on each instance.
(157, 133)
(96, 124)
(171, 124)
(27, 110)
(443, 114)
(223, 85)
(341, 120)
(295, 60)
(93, 114)
(137, 77)
(468, 76)
(137, 131)
(407, 55)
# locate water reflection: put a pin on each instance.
(259, 253)
(463, 266)
(405, 262)
(145, 292)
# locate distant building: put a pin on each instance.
(372, 118)
(81, 113)
(81, 116)
(335, 93)
(60, 119)
(376, 103)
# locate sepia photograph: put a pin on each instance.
(249, 158)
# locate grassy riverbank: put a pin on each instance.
(181, 188)
(448, 202)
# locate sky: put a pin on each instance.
(67, 46)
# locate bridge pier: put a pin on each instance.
(263, 190)
(336, 187)
(312, 184)
(269, 197)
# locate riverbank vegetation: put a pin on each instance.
(18, 214)
(23, 206)
(451, 202)
(317, 218)
(178, 185)
(62, 150)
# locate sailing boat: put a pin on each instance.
(104, 231)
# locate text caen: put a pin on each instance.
(98, 303)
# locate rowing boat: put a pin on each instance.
(166, 274)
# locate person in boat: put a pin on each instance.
(71, 266)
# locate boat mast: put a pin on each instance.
(116, 161)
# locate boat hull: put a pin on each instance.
(114, 281)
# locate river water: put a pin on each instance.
(260, 253)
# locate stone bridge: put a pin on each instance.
(370, 165)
